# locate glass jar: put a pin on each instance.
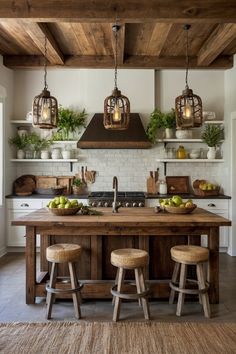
(162, 187)
(181, 152)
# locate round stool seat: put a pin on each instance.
(129, 258)
(63, 252)
(189, 254)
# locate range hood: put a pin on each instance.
(97, 137)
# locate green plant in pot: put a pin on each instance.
(169, 123)
(21, 143)
(70, 121)
(212, 135)
(158, 121)
(38, 144)
(78, 186)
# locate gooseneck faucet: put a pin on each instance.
(115, 205)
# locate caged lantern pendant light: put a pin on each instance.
(116, 106)
(45, 107)
(188, 106)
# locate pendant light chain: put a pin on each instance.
(115, 76)
(186, 27)
(45, 63)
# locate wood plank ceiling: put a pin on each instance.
(79, 33)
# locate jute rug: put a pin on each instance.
(117, 338)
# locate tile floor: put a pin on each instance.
(13, 307)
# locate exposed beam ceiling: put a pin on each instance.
(129, 11)
(79, 33)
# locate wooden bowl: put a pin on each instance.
(178, 210)
(62, 212)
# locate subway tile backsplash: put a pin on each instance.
(130, 166)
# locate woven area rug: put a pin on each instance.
(117, 338)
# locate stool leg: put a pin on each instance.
(204, 296)
(74, 284)
(51, 296)
(174, 280)
(116, 312)
(116, 282)
(182, 282)
(142, 288)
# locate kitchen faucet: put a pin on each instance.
(115, 205)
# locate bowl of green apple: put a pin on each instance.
(61, 206)
(176, 205)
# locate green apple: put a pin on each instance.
(63, 200)
(52, 204)
(68, 205)
(188, 205)
(182, 205)
(57, 200)
(177, 200)
(74, 202)
(61, 206)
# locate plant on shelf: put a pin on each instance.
(212, 136)
(160, 120)
(70, 121)
(21, 143)
(38, 144)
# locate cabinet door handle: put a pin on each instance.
(24, 205)
(211, 205)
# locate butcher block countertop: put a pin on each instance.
(125, 217)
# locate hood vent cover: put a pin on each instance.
(97, 137)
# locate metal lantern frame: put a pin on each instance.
(45, 101)
(116, 101)
(188, 98)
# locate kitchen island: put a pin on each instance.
(131, 227)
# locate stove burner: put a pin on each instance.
(126, 199)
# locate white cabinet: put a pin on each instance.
(15, 209)
(216, 206)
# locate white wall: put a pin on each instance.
(8, 173)
(230, 149)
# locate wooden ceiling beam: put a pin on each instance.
(120, 44)
(219, 39)
(37, 32)
(216, 11)
(105, 62)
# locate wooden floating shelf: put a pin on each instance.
(189, 160)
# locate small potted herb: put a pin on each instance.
(212, 135)
(158, 121)
(78, 186)
(21, 142)
(169, 123)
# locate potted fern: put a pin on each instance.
(212, 136)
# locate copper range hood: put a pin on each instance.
(97, 137)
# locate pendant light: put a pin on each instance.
(116, 106)
(188, 106)
(45, 108)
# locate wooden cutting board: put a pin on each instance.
(24, 185)
(151, 184)
(177, 184)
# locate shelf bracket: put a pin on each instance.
(71, 166)
(165, 168)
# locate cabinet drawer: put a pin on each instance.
(212, 204)
(24, 204)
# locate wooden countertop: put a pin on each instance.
(130, 217)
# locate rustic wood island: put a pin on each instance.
(131, 227)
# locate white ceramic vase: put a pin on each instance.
(45, 155)
(211, 154)
(183, 134)
(20, 154)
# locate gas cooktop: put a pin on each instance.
(125, 199)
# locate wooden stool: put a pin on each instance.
(185, 255)
(135, 259)
(63, 253)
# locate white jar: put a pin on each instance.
(45, 155)
(163, 187)
(56, 154)
(66, 154)
(20, 154)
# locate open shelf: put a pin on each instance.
(22, 121)
(44, 160)
(180, 140)
(190, 160)
(214, 122)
